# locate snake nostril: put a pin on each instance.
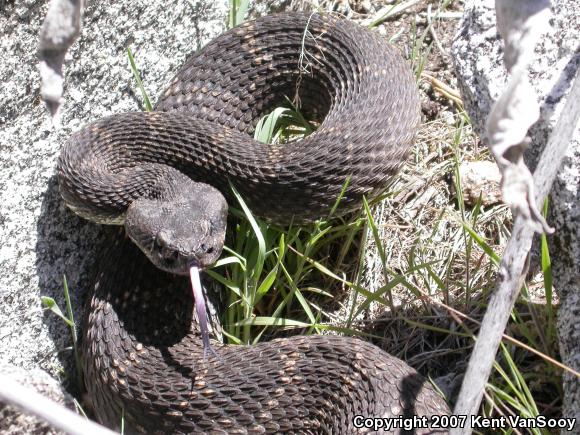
(206, 249)
(169, 255)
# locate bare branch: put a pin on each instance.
(512, 267)
(31, 402)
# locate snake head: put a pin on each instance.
(186, 229)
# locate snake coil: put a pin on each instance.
(141, 350)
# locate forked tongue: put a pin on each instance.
(200, 309)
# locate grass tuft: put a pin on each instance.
(51, 305)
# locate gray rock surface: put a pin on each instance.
(477, 54)
(12, 421)
(40, 240)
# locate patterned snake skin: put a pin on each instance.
(142, 353)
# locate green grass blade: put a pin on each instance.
(340, 196)
(233, 339)
(238, 11)
(482, 243)
(272, 321)
(267, 283)
(378, 19)
(268, 124)
(225, 282)
(257, 270)
(299, 119)
(79, 409)
(74, 333)
(229, 260)
(548, 279)
(296, 292)
(137, 76)
(379, 244)
(51, 304)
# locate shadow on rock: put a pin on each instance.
(66, 246)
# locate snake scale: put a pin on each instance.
(142, 351)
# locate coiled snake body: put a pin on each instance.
(142, 353)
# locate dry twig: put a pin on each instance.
(31, 402)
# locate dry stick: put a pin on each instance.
(511, 271)
(389, 12)
(31, 402)
(444, 89)
(434, 34)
